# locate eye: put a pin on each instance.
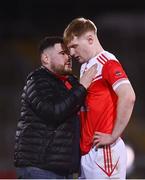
(75, 46)
(62, 52)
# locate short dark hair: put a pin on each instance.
(49, 41)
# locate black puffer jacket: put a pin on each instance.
(47, 134)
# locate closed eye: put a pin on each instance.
(62, 52)
(74, 46)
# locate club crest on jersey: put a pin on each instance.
(118, 73)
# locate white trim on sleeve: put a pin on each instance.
(119, 82)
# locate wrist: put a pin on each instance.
(114, 137)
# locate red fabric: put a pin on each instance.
(64, 79)
(113, 71)
(101, 102)
(7, 174)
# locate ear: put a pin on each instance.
(44, 58)
(90, 39)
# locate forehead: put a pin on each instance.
(73, 41)
(58, 47)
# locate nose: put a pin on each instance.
(72, 52)
(67, 57)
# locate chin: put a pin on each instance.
(67, 71)
(81, 61)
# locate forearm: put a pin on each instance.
(125, 104)
(61, 107)
(70, 104)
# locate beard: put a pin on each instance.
(61, 69)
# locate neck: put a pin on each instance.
(97, 52)
(97, 49)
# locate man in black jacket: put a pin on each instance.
(47, 135)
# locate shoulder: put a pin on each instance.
(108, 60)
(37, 73)
(106, 57)
(40, 78)
(40, 74)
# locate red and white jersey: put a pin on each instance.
(99, 111)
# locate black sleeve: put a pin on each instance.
(49, 105)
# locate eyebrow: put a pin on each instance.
(72, 46)
(64, 51)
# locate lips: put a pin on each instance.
(68, 64)
(77, 58)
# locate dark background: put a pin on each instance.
(23, 23)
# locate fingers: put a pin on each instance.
(92, 69)
(102, 139)
(97, 144)
(88, 76)
(94, 66)
(96, 140)
(98, 133)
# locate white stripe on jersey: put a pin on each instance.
(119, 82)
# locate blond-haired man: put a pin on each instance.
(108, 106)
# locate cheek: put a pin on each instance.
(84, 50)
(54, 62)
(59, 60)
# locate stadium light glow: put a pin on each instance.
(130, 158)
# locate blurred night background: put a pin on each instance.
(23, 23)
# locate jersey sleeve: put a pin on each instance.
(114, 74)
